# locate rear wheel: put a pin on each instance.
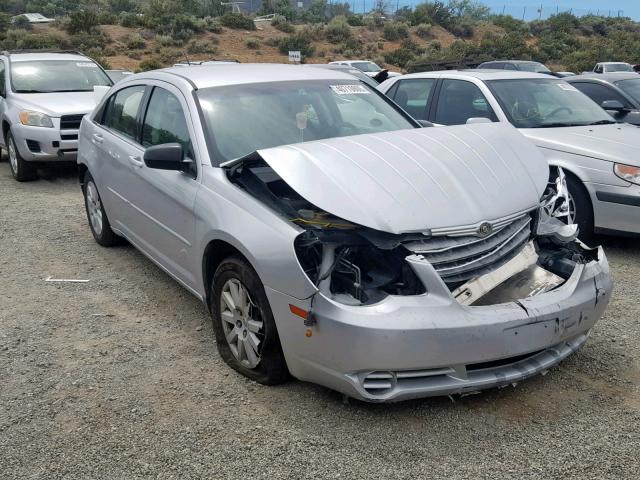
(21, 170)
(243, 323)
(97, 217)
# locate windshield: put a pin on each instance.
(631, 87)
(539, 103)
(241, 119)
(619, 67)
(57, 76)
(366, 66)
(534, 67)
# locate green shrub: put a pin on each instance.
(22, 22)
(134, 41)
(373, 22)
(86, 21)
(86, 41)
(338, 30)
(213, 25)
(395, 31)
(296, 42)
(462, 29)
(252, 43)
(150, 64)
(18, 40)
(130, 20)
(280, 23)
(355, 20)
(167, 41)
(237, 21)
(202, 46)
(424, 30)
(313, 32)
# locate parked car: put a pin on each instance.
(599, 154)
(117, 75)
(617, 93)
(43, 97)
(333, 239)
(516, 65)
(200, 63)
(612, 67)
(370, 68)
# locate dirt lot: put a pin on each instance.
(142, 393)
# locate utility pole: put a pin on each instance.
(524, 13)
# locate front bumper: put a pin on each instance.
(38, 144)
(430, 345)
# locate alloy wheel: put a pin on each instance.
(242, 323)
(13, 157)
(94, 207)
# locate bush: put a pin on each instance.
(99, 58)
(395, 31)
(167, 41)
(351, 47)
(86, 41)
(436, 13)
(134, 41)
(355, 20)
(296, 42)
(338, 30)
(252, 43)
(237, 21)
(86, 21)
(373, 22)
(130, 20)
(424, 30)
(462, 29)
(313, 32)
(150, 64)
(22, 23)
(18, 40)
(202, 46)
(279, 22)
(213, 25)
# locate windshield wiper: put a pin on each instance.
(603, 122)
(32, 91)
(559, 124)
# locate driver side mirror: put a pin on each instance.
(168, 156)
(613, 105)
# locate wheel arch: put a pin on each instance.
(6, 126)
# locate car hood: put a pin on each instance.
(58, 104)
(614, 143)
(419, 179)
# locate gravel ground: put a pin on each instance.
(119, 378)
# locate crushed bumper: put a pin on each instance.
(429, 345)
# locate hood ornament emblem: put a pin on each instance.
(485, 230)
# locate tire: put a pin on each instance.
(21, 170)
(245, 326)
(583, 207)
(96, 215)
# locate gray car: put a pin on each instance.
(43, 97)
(336, 241)
(598, 154)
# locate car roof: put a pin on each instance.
(513, 61)
(613, 63)
(207, 76)
(43, 56)
(605, 77)
(480, 74)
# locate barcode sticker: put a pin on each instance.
(350, 90)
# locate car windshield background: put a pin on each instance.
(631, 87)
(619, 67)
(48, 76)
(366, 66)
(533, 67)
(241, 119)
(539, 103)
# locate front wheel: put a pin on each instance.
(580, 207)
(97, 217)
(243, 323)
(21, 170)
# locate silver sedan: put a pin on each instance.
(335, 240)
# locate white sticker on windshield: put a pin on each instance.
(567, 87)
(86, 65)
(350, 90)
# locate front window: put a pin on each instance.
(459, 101)
(540, 103)
(50, 76)
(366, 66)
(619, 67)
(241, 119)
(630, 87)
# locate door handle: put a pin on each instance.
(96, 138)
(136, 161)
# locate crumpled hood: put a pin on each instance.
(614, 143)
(58, 104)
(419, 179)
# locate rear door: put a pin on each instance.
(162, 201)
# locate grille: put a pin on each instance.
(378, 383)
(458, 259)
(70, 122)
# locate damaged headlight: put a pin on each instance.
(348, 268)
